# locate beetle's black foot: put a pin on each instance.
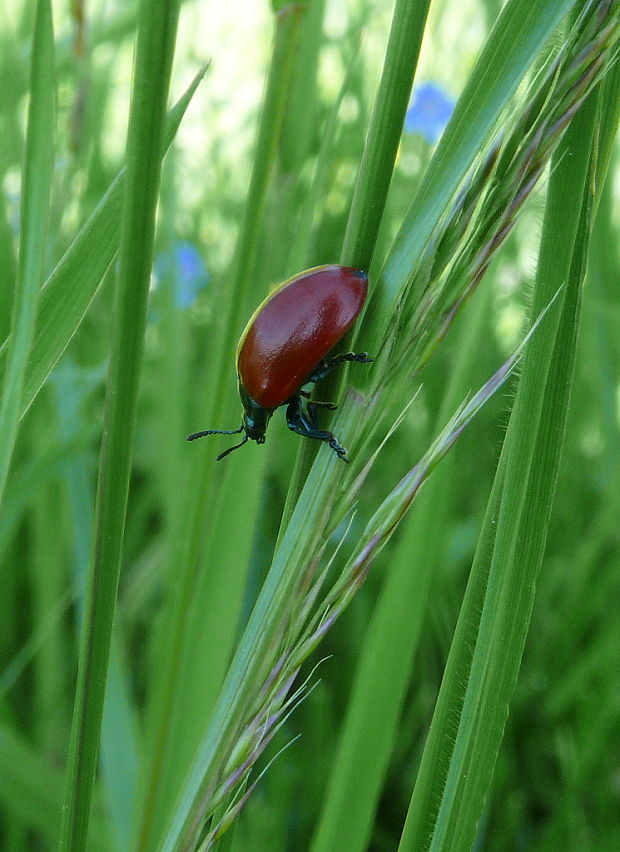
(338, 449)
(313, 412)
(305, 423)
(359, 357)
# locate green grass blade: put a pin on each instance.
(610, 112)
(486, 652)
(36, 191)
(9, 264)
(386, 127)
(73, 284)
(119, 736)
(204, 608)
(532, 24)
(370, 727)
(519, 34)
(145, 147)
(373, 180)
(32, 792)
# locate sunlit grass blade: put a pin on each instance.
(486, 652)
(386, 127)
(145, 147)
(35, 200)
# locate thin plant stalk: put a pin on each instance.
(384, 133)
(145, 145)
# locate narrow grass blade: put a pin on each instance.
(74, 282)
(119, 737)
(374, 178)
(145, 147)
(36, 192)
(386, 127)
(9, 265)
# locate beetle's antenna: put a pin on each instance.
(195, 435)
(230, 449)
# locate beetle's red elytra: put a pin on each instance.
(287, 344)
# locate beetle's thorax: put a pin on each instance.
(255, 417)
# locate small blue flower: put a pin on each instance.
(184, 263)
(429, 111)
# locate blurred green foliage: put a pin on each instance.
(557, 779)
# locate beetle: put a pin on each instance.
(287, 344)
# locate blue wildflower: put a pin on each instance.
(429, 111)
(184, 263)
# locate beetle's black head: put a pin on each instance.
(254, 424)
(255, 417)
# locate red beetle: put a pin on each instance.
(286, 345)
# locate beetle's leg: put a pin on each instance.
(313, 417)
(304, 423)
(312, 409)
(316, 403)
(326, 366)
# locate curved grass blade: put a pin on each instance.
(36, 191)
(73, 284)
